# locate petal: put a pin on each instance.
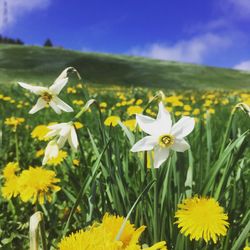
(54, 107)
(61, 141)
(73, 141)
(146, 123)
(145, 144)
(58, 85)
(34, 89)
(164, 119)
(160, 156)
(58, 126)
(180, 145)
(62, 105)
(40, 104)
(183, 127)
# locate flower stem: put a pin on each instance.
(17, 150)
(156, 214)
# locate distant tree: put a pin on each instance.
(20, 42)
(8, 40)
(48, 43)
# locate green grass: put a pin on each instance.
(36, 64)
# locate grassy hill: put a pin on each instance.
(37, 64)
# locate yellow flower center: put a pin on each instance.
(46, 96)
(166, 140)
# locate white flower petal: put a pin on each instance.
(40, 104)
(53, 105)
(164, 119)
(62, 105)
(160, 156)
(58, 126)
(61, 141)
(34, 89)
(73, 141)
(183, 127)
(180, 145)
(146, 123)
(58, 85)
(145, 144)
(51, 151)
(162, 124)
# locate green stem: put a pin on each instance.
(17, 150)
(156, 202)
(227, 131)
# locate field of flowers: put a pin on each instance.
(117, 168)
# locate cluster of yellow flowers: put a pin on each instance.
(14, 122)
(102, 235)
(35, 184)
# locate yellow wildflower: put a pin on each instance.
(39, 132)
(36, 184)
(132, 110)
(131, 124)
(202, 218)
(40, 153)
(10, 169)
(62, 155)
(78, 125)
(14, 122)
(112, 120)
(102, 236)
(71, 90)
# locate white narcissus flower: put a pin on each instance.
(64, 132)
(162, 135)
(51, 151)
(50, 95)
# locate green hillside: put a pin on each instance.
(37, 64)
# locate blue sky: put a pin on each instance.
(211, 32)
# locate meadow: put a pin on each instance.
(196, 199)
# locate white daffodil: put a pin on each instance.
(50, 95)
(64, 132)
(162, 135)
(51, 151)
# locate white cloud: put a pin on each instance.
(245, 65)
(235, 8)
(194, 50)
(18, 8)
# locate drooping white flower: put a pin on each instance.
(50, 95)
(51, 151)
(162, 135)
(64, 132)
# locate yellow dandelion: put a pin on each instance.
(129, 235)
(55, 161)
(131, 124)
(196, 111)
(187, 108)
(71, 90)
(112, 121)
(246, 248)
(40, 153)
(132, 110)
(139, 102)
(36, 183)
(10, 170)
(14, 122)
(78, 125)
(10, 188)
(39, 132)
(202, 218)
(78, 102)
(101, 236)
(103, 105)
(76, 163)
